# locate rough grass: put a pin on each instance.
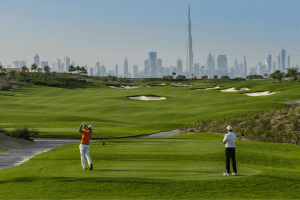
(186, 166)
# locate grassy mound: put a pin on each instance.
(179, 167)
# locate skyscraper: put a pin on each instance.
(269, 64)
(44, 64)
(37, 61)
(152, 59)
(91, 71)
(67, 64)
(289, 61)
(116, 70)
(222, 65)
(189, 48)
(146, 68)
(22, 63)
(210, 65)
(16, 64)
(97, 68)
(135, 71)
(159, 66)
(125, 68)
(278, 63)
(56, 64)
(283, 60)
(245, 68)
(179, 67)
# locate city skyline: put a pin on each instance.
(219, 31)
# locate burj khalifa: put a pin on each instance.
(189, 50)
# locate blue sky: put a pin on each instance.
(110, 30)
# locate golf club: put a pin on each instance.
(100, 139)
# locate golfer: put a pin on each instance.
(84, 146)
(229, 141)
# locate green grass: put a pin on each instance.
(58, 112)
(178, 167)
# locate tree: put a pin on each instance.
(47, 69)
(33, 67)
(167, 77)
(215, 76)
(266, 75)
(204, 77)
(291, 72)
(225, 78)
(181, 77)
(78, 69)
(39, 70)
(24, 69)
(12, 74)
(83, 70)
(278, 75)
(1, 68)
(71, 68)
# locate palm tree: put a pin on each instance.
(39, 70)
(47, 69)
(33, 67)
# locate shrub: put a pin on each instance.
(5, 87)
(23, 133)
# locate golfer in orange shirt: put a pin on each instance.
(84, 146)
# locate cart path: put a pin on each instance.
(23, 154)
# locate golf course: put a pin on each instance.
(184, 166)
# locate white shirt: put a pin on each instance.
(230, 138)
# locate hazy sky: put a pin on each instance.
(113, 29)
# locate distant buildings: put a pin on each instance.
(152, 59)
(125, 72)
(16, 64)
(158, 68)
(116, 71)
(222, 65)
(37, 61)
(44, 64)
(147, 68)
(22, 63)
(179, 67)
(67, 63)
(283, 60)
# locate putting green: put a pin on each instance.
(163, 170)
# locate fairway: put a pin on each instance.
(58, 112)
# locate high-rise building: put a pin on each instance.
(125, 68)
(197, 70)
(37, 61)
(190, 60)
(222, 65)
(245, 68)
(66, 63)
(57, 65)
(146, 68)
(91, 71)
(210, 65)
(116, 70)
(283, 60)
(269, 64)
(273, 68)
(102, 70)
(97, 68)
(158, 68)
(278, 67)
(22, 63)
(16, 64)
(152, 59)
(235, 72)
(179, 67)
(289, 61)
(44, 64)
(135, 71)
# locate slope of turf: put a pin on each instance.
(57, 112)
(178, 167)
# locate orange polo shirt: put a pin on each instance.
(86, 136)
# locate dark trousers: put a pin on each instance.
(230, 154)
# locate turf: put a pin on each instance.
(178, 167)
(58, 112)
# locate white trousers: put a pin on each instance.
(85, 151)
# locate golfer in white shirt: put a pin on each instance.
(229, 141)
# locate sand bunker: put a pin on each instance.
(208, 88)
(290, 102)
(256, 94)
(179, 85)
(234, 90)
(124, 87)
(147, 98)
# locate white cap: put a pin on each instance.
(229, 128)
(90, 127)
